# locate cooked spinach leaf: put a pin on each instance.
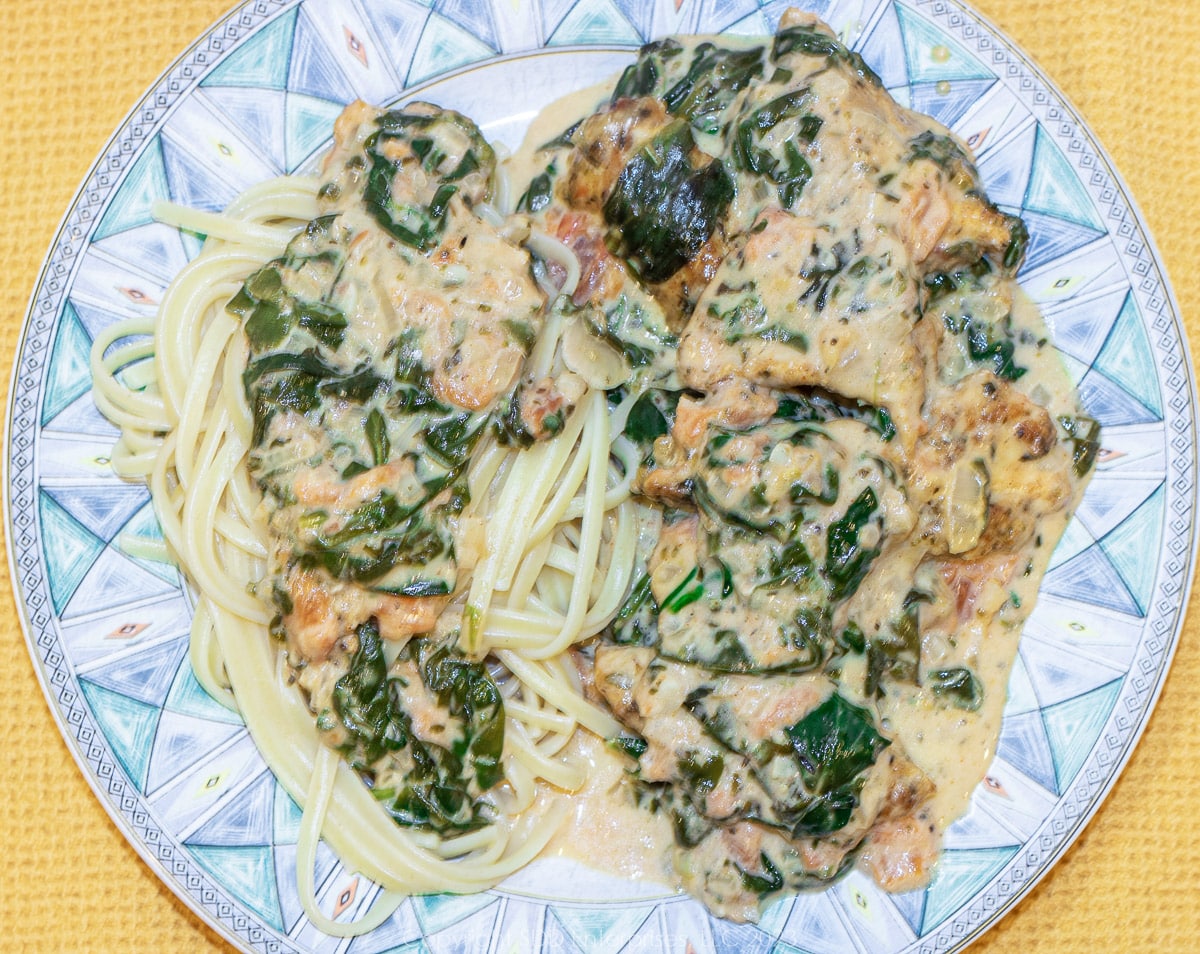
(711, 82)
(835, 745)
(1084, 434)
(540, 191)
(643, 76)
(630, 745)
(700, 771)
(959, 687)
(441, 785)
(664, 206)
(812, 42)
(819, 407)
(635, 622)
(630, 329)
(782, 161)
(465, 689)
(650, 418)
(365, 705)
(435, 140)
(452, 439)
(894, 652)
(987, 344)
(846, 561)
(690, 589)
(377, 437)
(748, 319)
(769, 881)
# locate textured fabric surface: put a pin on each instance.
(71, 71)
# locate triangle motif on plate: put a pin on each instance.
(128, 726)
(1055, 187)
(1128, 359)
(257, 114)
(1126, 547)
(69, 376)
(182, 742)
(102, 509)
(601, 929)
(246, 818)
(314, 68)
(471, 16)
(947, 102)
(445, 46)
(145, 183)
(308, 124)
(260, 61)
(247, 873)
(437, 912)
(144, 673)
(70, 547)
(934, 57)
(1090, 577)
(959, 876)
(1024, 745)
(600, 22)
(1072, 728)
(1111, 404)
(108, 581)
(742, 938)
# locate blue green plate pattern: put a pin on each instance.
(254, 97)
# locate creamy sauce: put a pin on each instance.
(605, 829)
(983, 323)
(857, 440)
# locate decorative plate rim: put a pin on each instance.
(203, 895)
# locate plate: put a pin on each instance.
(255, 97)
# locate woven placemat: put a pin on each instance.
(71, 71)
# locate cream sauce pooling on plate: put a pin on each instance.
(862, 442)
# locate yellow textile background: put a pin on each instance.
(71, 71)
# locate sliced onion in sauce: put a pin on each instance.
(596, 361)
(967, 506)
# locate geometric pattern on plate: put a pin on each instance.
(255, 98)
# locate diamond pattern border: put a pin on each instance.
(1147, 281)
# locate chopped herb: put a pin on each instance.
(959, 687)
(630, 745)
(1084, 435)
(768, 882)
(377, 438)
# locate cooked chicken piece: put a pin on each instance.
(990, 457)
(603, 144)
(810, 310)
